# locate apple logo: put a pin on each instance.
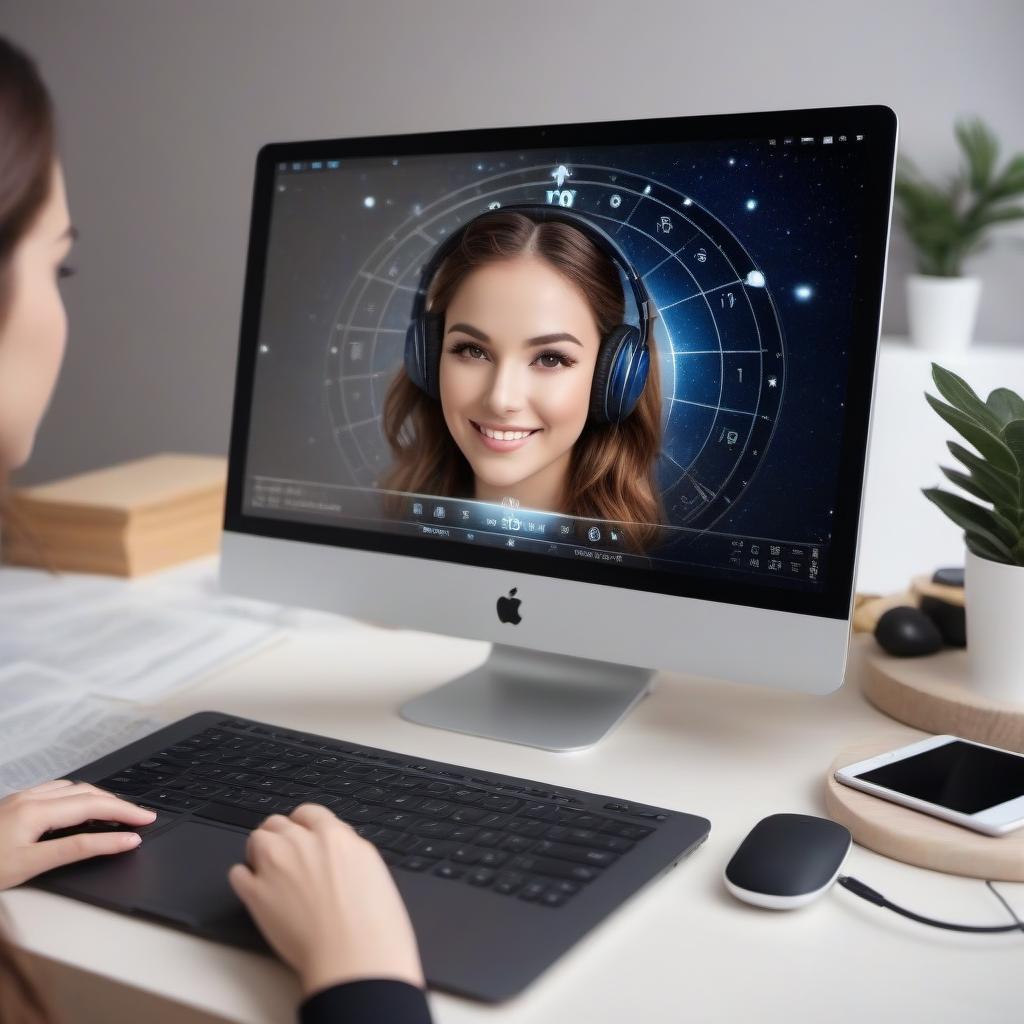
(508, 608)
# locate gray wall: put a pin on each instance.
(164, 105)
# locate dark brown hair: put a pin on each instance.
(611, 473)
(27, 151)
(26, 164)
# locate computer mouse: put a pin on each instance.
(906, 632)
(787, 861)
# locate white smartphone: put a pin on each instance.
(967, 783)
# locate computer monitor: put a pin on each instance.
(598, 393)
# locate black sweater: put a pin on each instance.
(380, 1001)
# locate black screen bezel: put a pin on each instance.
(876, 123)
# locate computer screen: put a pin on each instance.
(739, 258)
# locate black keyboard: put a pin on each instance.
(516, 838)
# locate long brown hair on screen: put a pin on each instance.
(612, 470)
(27, 151)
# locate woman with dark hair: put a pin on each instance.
(321, 895)
(526, 304)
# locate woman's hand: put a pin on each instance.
(25, 816)
(325, 900)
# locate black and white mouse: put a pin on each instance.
(787, 861)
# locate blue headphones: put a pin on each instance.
(622, 361)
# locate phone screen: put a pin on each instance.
(959, 776)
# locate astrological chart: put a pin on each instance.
(721, 351)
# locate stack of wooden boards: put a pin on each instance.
(126, 520)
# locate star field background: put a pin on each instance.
(796, 210)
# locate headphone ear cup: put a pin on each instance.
(423, 352)
(619, 376)
(433, 331)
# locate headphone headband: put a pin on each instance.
(543, 213)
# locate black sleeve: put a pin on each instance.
(367, 1002)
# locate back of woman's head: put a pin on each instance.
(27, 151)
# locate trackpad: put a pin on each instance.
(179, 876)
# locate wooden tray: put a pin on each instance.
(931, 693)
(916, 838)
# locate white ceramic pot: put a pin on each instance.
(994, 594)
(942, 311)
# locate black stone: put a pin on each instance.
(949, 577)
(949, 618)
(907, 632)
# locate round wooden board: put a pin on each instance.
(915, 838)
(933, 694)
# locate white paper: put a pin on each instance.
(135, 641)
(91, 730)
(50, 725)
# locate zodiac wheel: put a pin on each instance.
(721, 351)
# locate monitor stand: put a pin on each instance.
(519, 695)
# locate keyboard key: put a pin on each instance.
(449, 871)
(434, 829)
(480, 876)
(540, 812)
(495, 802)
(464, 833)
(554, 868)
(435, 848)
(468, 815)
(493, 858)
(625, 830)
(523, 827)
(170, 798)
(576, 854)
(365, 812)
(591, 821)
(435, 808)
(532, 891)
(488, 838)
(415, 863)
(509, 882)
(406, 801)
(516, 844)
(466, 855)
(552, 899)
(232, 815)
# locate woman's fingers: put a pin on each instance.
(73, 810)
(46, 787)
(242, 881)
(55, 853)
(313, 815)
(49, 791)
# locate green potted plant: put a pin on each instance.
(993, 524)
(948, 222)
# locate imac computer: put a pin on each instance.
(598, 393)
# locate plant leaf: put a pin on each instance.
(1003, 488)
(983, 549)
(1013, 435)
(994, 528)
(962, 396)
(981, 148)
(965, 482)
(1006, 405)
(990, 445)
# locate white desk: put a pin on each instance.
(682, 950)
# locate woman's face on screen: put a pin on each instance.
(34, 327)
(517, 362)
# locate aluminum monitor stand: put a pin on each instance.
(533, 698)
